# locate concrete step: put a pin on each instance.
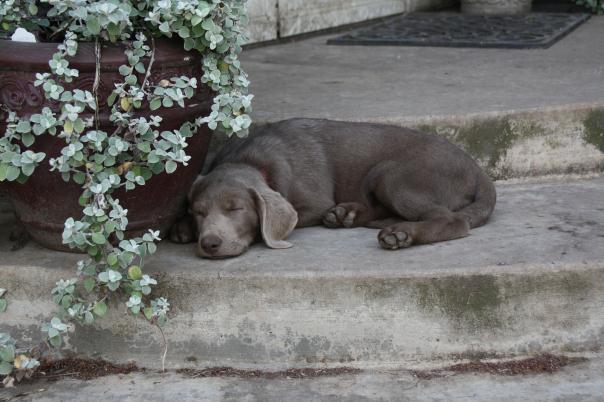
(531, 280)
(578, 382)
(519, 112)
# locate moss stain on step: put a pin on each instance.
(594, 128)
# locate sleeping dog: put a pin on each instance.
(417, 188)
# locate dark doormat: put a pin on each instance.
(534, 30)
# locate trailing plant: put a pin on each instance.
(595, 6)
(14, 364)
(137, 148)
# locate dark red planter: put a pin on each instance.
(46, 201)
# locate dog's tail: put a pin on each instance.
(478, 212)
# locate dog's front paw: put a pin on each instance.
(343, 215)
(183, 231)
(393, 238)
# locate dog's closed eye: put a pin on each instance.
(234, 205)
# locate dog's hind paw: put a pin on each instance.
(392, 239)
(343, 215)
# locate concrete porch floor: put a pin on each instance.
(518, 112)
(398, 84)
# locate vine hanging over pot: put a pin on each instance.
(136, 147)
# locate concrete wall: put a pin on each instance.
(271, 19)
(263, 16)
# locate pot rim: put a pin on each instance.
(29, 56)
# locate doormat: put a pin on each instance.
(524, 31)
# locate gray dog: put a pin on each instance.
(417, 188)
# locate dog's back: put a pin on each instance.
(324, 155)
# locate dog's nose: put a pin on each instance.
(211, 243)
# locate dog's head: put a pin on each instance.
(232, 206)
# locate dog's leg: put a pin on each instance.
(310, 212)
(415, 202)
(348, 215)
(437, 225)
(184, 230)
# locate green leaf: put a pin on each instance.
(23, 126)
(155, 104)
(53, 333)
(28, 169)
(12, 173)
(98, 238)
(2, 305)
(79, 177)
(208, 25)
(56, 341)
(131, 80)
(100, 308)
(134, 272)
(171, 166)
(112, 259)
(88, 317)
(140, 67)
(148, 312)
(7, 353)
(111, 98)
(89, 284)
(189, 44)
(183, 32)
(78, 125)
(114, 30)
(125, 104)
(164, 27)
(27, 139)
(93, 26)
(151, 158)
(146, 173)
(66, 301)
(125, 70)
(6, 368)
(68, 126)
(144, 146)
(196, 20)
(3, 169)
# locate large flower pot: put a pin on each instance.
(45, 201)
(496, 7)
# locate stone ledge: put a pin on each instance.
(530, 280)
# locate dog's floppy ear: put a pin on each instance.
(277, 217)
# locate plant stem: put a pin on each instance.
(151, 60)
(97, 80)
(163, 358)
